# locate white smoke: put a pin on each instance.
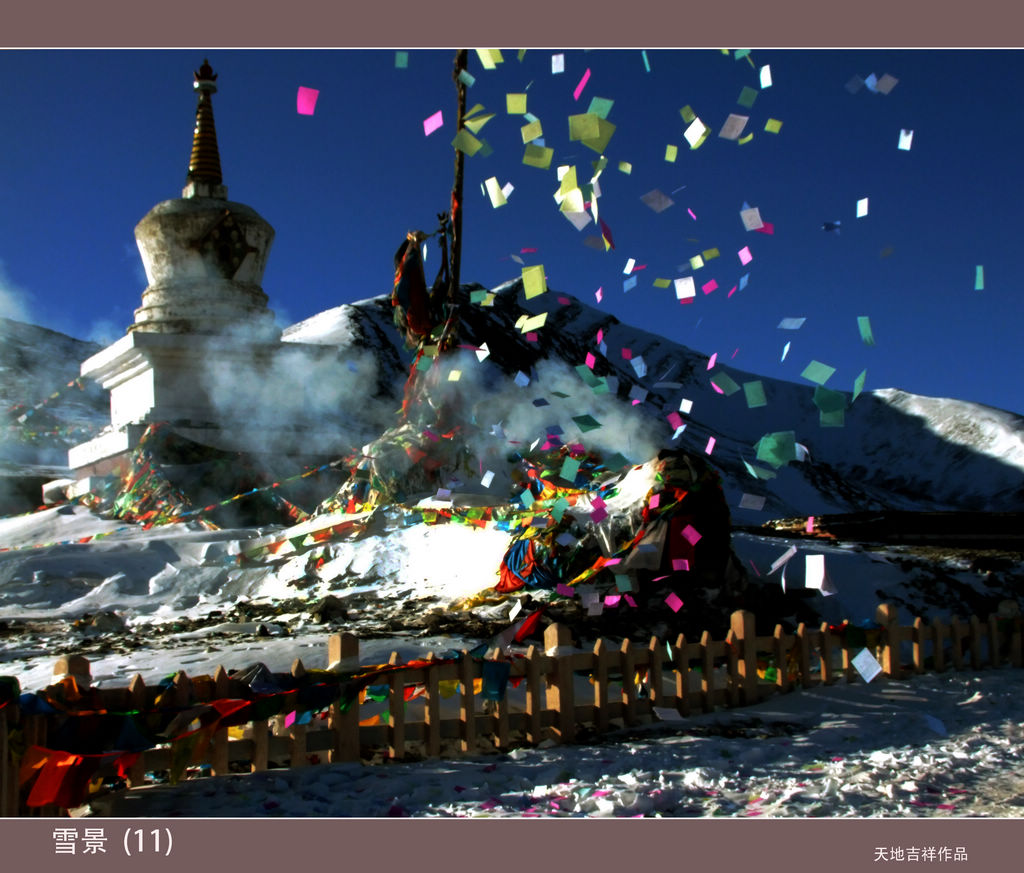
(15, 302)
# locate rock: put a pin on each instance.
(329, 609)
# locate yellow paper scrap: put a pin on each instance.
(568, 179)
(572, 201)
(477, 107)
(495, 193)
(625, 167)
(455, 375)
(489, 58)
(521, 321)
(535, 323)
(696, 262)
(533, 281)
(467, 143)
(670, 153)
(744, 140)
(584, 127)
(773, 125)
(515, 104)
(689, 116)
(538, 156)
(710, 254)
(474, 124)
(662, 283)
(600, 142)
(531, 131)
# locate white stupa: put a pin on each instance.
(204, 311)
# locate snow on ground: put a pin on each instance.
(947, 745)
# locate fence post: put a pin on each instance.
(828, 676)
(707, 671)
(975, 643)
(1015, 643)
(627, 666)
(501, 712)
(681, 664)
(432, 710)
(956, 633)
(298, 731)
(918, 636)
(886, 616)
(743, 626)
(467, 704)
(219, 750)
(557, 638)
(781, 660)
(803, 648)
(654, 679)
(995, 655)
(600, 686)
(138, 699)
(343, 654)
(533, 699)
(396, 710)
(732, 682)
(938, 645)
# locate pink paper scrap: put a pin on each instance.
(710, 446)
(305, 101)
(655, 499)
(581, 85)
(630, 601)
(708, 287)
(733, 291)
(433, 123)
(680, 565)
(612, 599)
(735, 353)
(289, 719)
(627, 354)
(717, 389)
(598, 515)
(565, 301)
(691, 535)
(712, 360)
(599, 294)
(600, 335)
(565, 590)
(675, 419)
(674, 602)
(611, 562)
(694, 217)
(591, 360)
(810, 524)
(527, 251)
(745, 256)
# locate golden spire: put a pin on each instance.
(204, 165)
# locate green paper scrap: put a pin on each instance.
(467, 78)
(586, 422)
(617, 461)
(538, 156)
(485, 149)
(662, 283)
(725, 383)
(864, 325)
(671, 152)
(832, 419)
(647, 63)
(533, 281)
(601, 386)
(858, 384)
(531, 131)
(829, 401)
(558, 508)
(527, 499)
(466, 143)
(570, 467)
(758, 472)
(818, 372)
(600, 106)
(747, 97)
(710, 254)
(754, 392)
(623, 583)
(625, 167)
(424, 363)
(688, 114)
(474, 124)
(515, 104)
(587, 375)
(477, 296)
(520, 55)
(739, 54)
(979, 278)
(777, 449)
(773, 125)
(599, 166)
(401, 60)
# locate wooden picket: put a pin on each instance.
(628, 683)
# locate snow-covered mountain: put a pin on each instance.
(894, 450)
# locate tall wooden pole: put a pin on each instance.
(456, 252)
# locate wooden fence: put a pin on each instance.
(555, 693)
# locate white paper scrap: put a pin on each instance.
(866, 665)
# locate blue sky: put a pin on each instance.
(95, 138)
